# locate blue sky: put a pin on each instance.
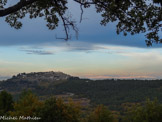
(98, 52)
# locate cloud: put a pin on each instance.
(74, 46)
(38, 52)
(71, 46)
(82, 46)
(143, 60)
(147, 56)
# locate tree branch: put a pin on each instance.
(65, 27)
(81, 16)
(16, 7)
(66, 24)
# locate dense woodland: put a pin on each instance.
(111, 92)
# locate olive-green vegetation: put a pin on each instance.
(6, 103)
(100, 114)
(151, 111)
(131, 16)
(111, 93)
(27, 105)
(56, 110)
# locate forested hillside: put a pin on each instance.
(110, 92)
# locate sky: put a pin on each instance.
(98, 53)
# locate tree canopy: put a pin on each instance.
(132, 16)
(54, 109)
(151, 111)
(27, 105)
(100, 114)
(6, 102)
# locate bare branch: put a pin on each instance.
(81, 15)
(65, 27)
(67, 24)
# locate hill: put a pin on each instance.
(41, 76)
(109, 92)
(34, 81)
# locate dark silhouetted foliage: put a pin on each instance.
(6, 102)
(132, 16)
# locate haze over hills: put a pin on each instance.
(4, 77)
(111, 92)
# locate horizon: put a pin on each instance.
(3, 78)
